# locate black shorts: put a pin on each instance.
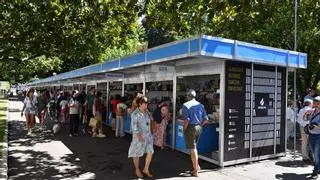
(114, 115)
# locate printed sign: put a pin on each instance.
(180, 131)
(235, 111)
(261, 104)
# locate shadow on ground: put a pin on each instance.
(16, 99)
(292, 176)
(293, 163)
(88, 158)
(14, 110)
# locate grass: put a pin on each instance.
(3, 119)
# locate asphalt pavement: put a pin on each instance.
(58, 156)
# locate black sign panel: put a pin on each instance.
(234, 125)
(261, 104)
(238, 119)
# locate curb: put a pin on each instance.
(4, 160)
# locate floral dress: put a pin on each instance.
(140, 124)
(160, 135)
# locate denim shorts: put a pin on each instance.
(29, 110)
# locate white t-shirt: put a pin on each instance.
(63, 104)
(301, 121)
(73, 110)
(28, 103)
(290, 114)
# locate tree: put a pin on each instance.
(76, 32)
(263, 23)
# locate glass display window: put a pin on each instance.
(89, 87)
(158, 92)
(207, 88)
(102, 87)
(115, 88)
(131, 91)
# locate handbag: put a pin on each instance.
(306, 129)
(93, 122)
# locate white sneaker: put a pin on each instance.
(101, 135)
(30, 133)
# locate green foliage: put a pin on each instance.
(39, 37)
(270, 24)
(75, 32)
(3, 120)
(131, 45)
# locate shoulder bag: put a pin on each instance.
(306, 128)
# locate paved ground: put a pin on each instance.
(48, 156)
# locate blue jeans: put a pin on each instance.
(314, 142)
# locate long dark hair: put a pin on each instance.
(30, 91)
(99, 94)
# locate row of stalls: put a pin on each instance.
(243, 87)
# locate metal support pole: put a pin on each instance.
(251, 110)
(108, 100)
(122, 87)
(275, 113)
(295, 114)
(222, 116)
(285, 122)
(295, 24)
(295, 80)
(144, 82)
(174, 107)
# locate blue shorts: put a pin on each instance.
(29, 110)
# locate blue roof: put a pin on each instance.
(207, 46)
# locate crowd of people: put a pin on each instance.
(62, 107)
(308, 118)
(77, 109)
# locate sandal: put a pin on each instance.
(148, 174)
(139, 174)
(195, 173)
